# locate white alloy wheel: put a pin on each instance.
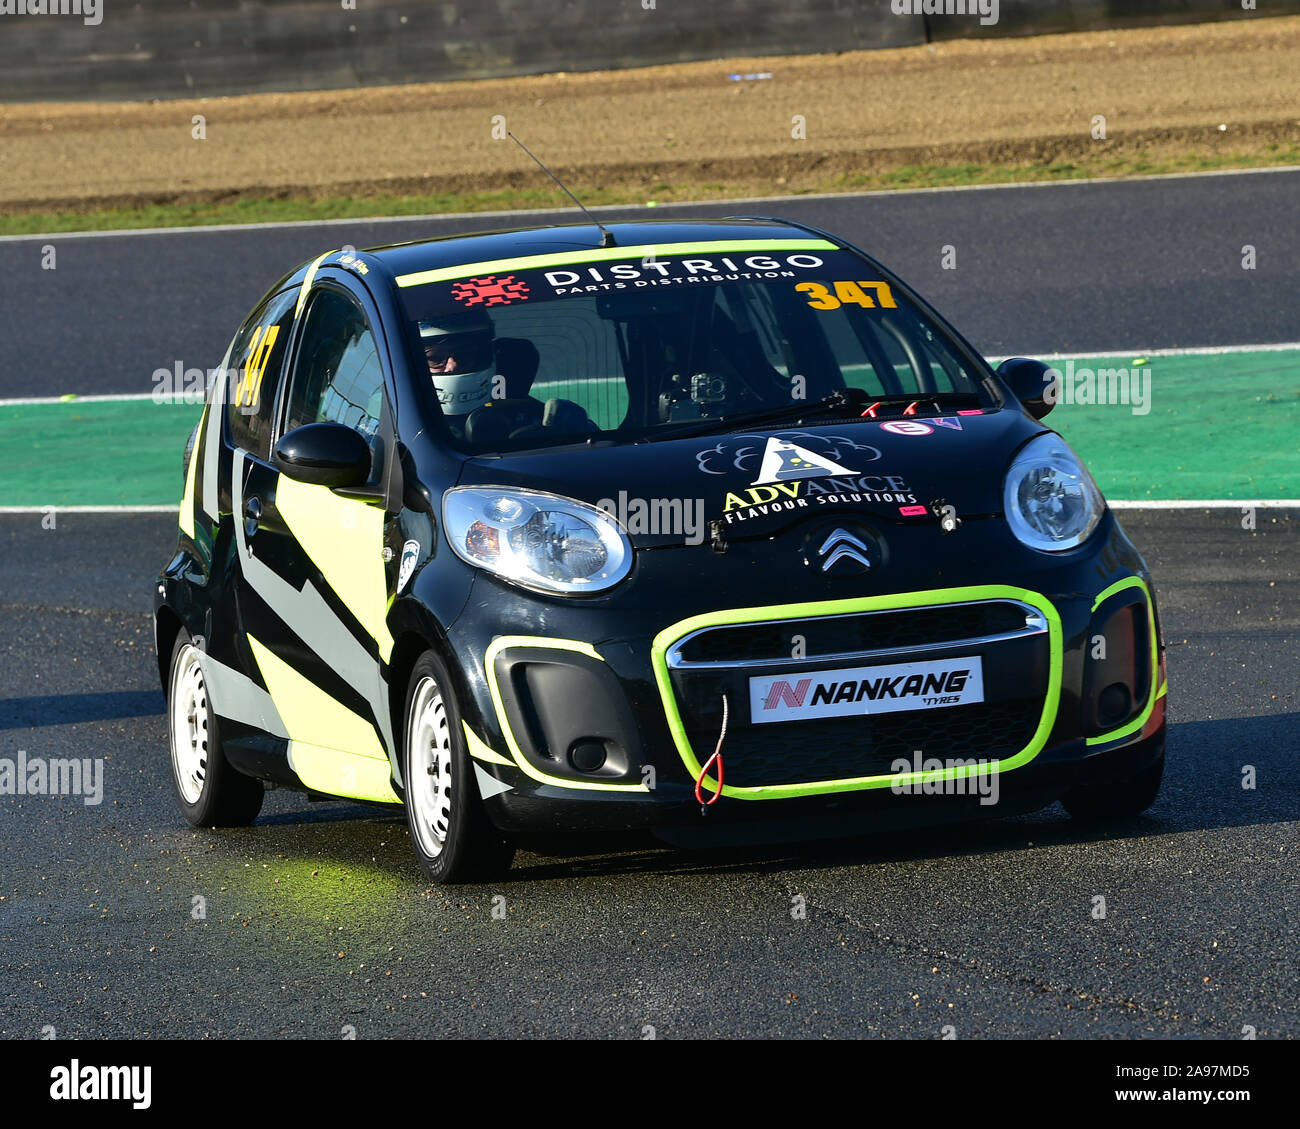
(189, 725)
(429, 766)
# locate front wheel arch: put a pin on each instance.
(408, 647)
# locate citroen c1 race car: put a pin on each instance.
(713, 531)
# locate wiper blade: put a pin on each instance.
(837, 401)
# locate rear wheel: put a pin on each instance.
(210, 791)
(1116, 799)
(452, 835)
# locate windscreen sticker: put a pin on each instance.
(848, 293)
(649, 277)
(570, 259)
(655, 272)
(493, 290)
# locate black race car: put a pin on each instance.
(711, 530)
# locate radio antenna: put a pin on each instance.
(606, 236)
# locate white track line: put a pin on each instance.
(89, 509)
(1195, 351)
(106, 398)
(1209, 504)
(432, 217)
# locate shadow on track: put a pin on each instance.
(72, 709)
(1202, 791)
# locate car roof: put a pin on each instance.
(489, 246)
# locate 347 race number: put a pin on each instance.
(820, 297)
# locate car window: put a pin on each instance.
(256, 361)
(337, 374)
(577, 358)
(636, 349)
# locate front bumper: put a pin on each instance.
(601, 716)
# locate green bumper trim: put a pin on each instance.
(611, 254)
(1155, 693)
(664, 641)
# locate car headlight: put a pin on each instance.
(537, 540)
(1050, 499)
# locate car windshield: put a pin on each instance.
(653, 344)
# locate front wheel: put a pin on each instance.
(1116, 799)
(210, 791)
(452, 835)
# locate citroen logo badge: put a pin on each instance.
(841, 545)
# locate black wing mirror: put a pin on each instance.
(1033, 383)
(324, 454)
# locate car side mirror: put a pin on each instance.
(324, 454)
(1032, 382)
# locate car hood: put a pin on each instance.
(757, 483)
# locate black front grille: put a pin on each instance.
(847, 634)
(843, 747)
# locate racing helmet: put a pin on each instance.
(458, 349)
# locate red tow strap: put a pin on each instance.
(708, 764)
(699, 784)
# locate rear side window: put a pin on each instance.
(256, 360)
(337, 374)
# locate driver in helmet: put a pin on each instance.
(459, 352)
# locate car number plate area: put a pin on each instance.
(855, 691)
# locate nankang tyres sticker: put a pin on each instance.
(855, 691)
(811, 274)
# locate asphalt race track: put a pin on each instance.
(317, 918)
(315, 921)
(1071, 267)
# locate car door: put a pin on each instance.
(314, 584)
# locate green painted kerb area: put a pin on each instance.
(1224, 426)
(101, 453)
(1214, 426)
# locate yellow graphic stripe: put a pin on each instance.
(335, 773)
(480, 749)
(187, 501)
(307, 280)
(611, 254)
(310, 715)
(344, 537)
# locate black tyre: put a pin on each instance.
(1116, 799)
(211, 793)
(452, 835)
